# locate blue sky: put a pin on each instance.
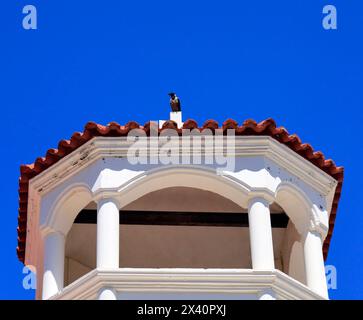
(116, 61)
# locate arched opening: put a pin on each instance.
(80, 248)
(192, 228)
(297, 207)
(177, 225)
(78, 241)
(152, 237)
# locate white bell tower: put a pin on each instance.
(96, 225)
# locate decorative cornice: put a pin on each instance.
(101, 147)
(223, 281)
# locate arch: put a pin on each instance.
(67, 206)
(296, 205)
(75, 197)
(61, 214)
(200, 178)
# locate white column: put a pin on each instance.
(314, 263)
(107, 294)
(107, 234)
(260, 234)
(267, 294)
(53, 276)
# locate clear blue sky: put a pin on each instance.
(117, 60)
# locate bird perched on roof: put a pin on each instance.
(174, 102)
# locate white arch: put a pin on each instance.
(66, 207)
(178, 176)
(75, 197)
(296, 205)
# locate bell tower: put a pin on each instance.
(251, 222)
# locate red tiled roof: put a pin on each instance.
(113, 129)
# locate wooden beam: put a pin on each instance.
(172, 218)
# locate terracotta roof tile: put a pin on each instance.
(113, 129)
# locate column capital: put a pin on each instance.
(47, 231)
(259, 198)
(317, 230)
(316, 227)
(105, 197)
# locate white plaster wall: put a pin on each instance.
(73, 270)
(184, 247)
